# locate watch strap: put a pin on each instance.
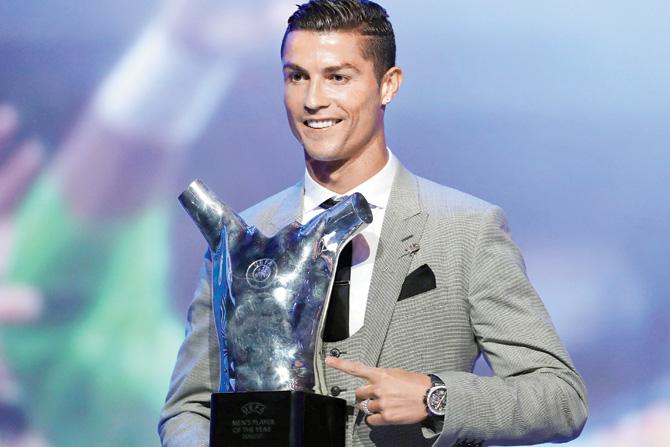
(434, 380)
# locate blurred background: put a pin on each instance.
(557, 110)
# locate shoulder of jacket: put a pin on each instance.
(438, 199)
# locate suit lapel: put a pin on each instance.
(398, 242)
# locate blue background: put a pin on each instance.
(558, 111)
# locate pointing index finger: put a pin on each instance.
(355, 369)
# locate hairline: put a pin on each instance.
(356, 31)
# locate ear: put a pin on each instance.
(390, 84)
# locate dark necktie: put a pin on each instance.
(337, 316)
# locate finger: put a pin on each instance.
(375, 406)
(366, 392)
(17, 173)
(375, 419)
(355, 369)
(9, 122)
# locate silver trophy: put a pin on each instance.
(269, 293)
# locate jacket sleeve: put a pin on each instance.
(535, 395)
(184, 420)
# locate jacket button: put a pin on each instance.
(335, 352)
(335, 391)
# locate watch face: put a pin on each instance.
(437, 400)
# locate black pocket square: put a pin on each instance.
(420, 280)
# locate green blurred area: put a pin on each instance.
(95, 367)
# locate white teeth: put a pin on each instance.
(320, 124)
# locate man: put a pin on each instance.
(435, 280)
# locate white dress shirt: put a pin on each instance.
(376, 190)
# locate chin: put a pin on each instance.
(322, 153)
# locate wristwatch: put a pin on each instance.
(436, 398)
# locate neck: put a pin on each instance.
(341, 176)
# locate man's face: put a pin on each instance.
(332, 98)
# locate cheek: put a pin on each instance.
(292, 101)
(368, 113)
(357, 104)
(291, 118)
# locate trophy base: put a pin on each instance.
(277, 419)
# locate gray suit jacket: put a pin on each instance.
(482, 302)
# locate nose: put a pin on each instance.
(315, 97)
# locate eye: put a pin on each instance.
(339, 78)
(296, 76)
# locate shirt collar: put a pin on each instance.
(376, 189)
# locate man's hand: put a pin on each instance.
(394, 396)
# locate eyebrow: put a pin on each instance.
(290, 66)
(344, 66)
(333, 69)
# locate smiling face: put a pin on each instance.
(334, 103)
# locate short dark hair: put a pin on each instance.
(361, 16)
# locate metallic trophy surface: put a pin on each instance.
(269, 294)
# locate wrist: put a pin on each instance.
(435, 399)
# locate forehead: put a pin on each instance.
(328, 48)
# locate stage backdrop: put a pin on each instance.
(556, 110)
